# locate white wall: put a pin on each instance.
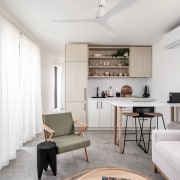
(165, 74)
(48, 61)
(137, 85)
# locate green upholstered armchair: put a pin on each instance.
(60, 129)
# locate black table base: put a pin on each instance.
(46, 155)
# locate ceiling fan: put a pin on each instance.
(102, 16)
(101, 11)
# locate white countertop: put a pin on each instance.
(135, 101)
(143, 104)
(138, 99)
(137, 104)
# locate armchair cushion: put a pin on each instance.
(70, 142)
(61, 123)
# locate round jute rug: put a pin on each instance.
(107, 174)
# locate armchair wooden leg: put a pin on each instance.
(86, 154)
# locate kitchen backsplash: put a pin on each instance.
(104, 84)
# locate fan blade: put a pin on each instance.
(109, 29)
(118, 8)
(72, 20)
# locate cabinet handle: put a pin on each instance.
(97, 105)
(101, 104)
(85, 107)
(85, 94)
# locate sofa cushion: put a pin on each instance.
(170, 152)
(173, 125)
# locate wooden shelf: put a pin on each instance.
(108, 76)
(108, 67)
(108, 57)
(104, 59)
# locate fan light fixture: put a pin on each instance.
(101, 11)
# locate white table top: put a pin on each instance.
(143, 104)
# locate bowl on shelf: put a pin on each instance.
(92, 72)
(97, 55)
(106, 73)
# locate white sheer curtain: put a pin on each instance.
(20, 91)
(30, 88)
(9, 78)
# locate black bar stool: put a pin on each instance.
(134, 115)
(46, 155)
(144, 114)
(157, 115)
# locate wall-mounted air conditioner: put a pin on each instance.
(172, 39)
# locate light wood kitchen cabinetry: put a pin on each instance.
(76, 81)
(76, 52)
(140, 62)
(104, 62)
(108, 61)
(78, 110)
(76, 75)
(99, 113)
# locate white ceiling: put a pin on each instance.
(142, 23)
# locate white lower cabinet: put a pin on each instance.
(99, 113)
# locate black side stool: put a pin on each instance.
(46, 155)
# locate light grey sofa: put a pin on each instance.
(166, 153)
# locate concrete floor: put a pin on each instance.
(102, 153)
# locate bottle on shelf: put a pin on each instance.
(97, 91)
(118, 94)
(110, 92)
(103, 94)
(106, 94)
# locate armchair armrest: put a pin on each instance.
(83, 125)
(49, 130)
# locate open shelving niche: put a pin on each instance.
(104, 59)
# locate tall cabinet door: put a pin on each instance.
(140, 61)
(78, 110)
(76, 52)
(76, 81)
(76, 75)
